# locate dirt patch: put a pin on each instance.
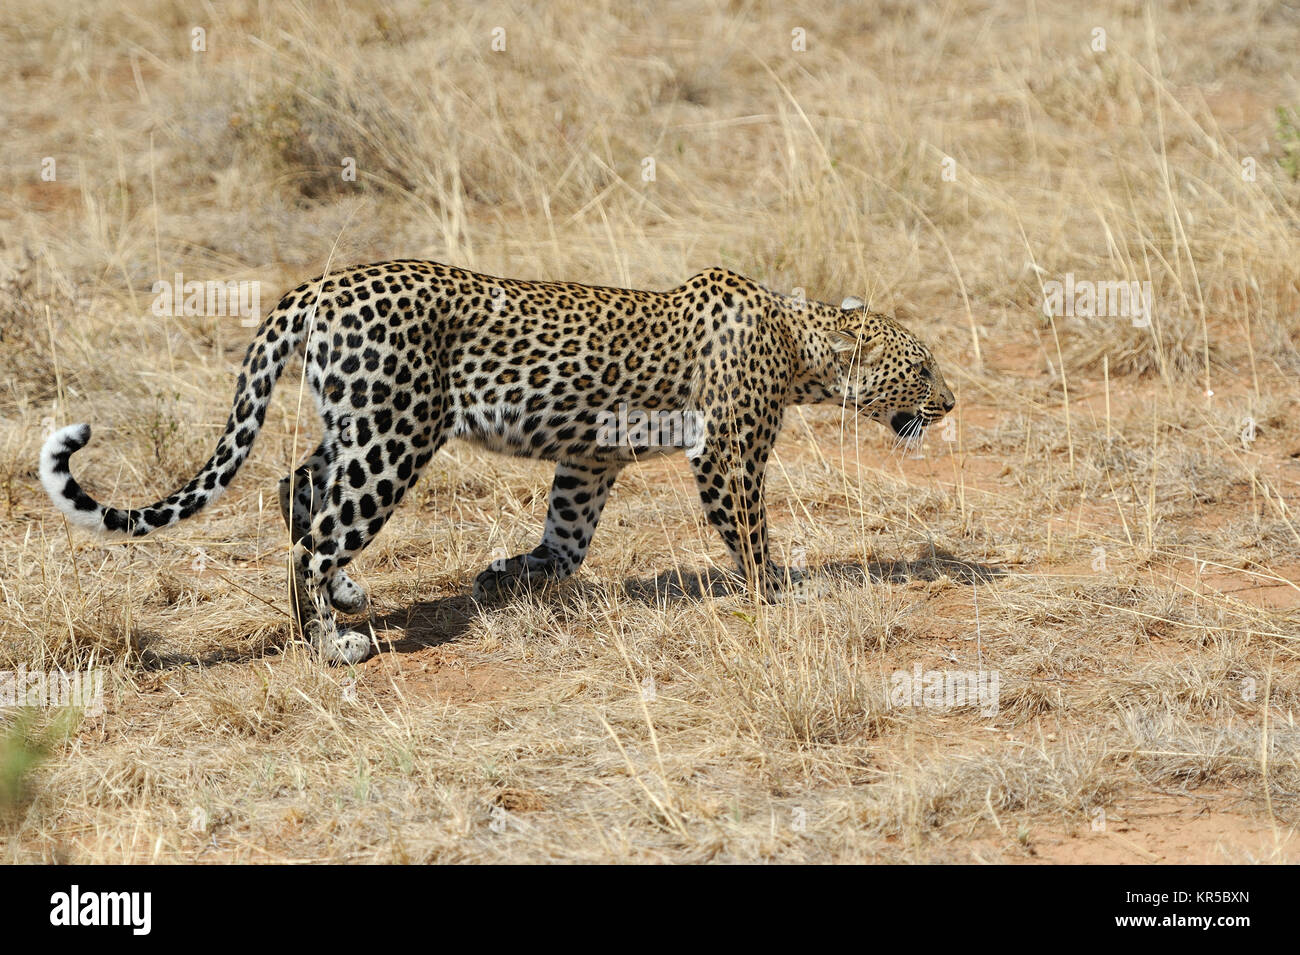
(1206, 829)
(445, 674)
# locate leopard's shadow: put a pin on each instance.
(932, 564)
(430, 623)
(425, 623)
(155, 655)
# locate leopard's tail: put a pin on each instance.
(277, 339)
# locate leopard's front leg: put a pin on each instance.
(729, 460)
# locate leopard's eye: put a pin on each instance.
(925, 373)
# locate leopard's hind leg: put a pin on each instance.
(306, 486)
(352, 509)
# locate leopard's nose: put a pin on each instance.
(948, 403)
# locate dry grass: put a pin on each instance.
(1096, 531)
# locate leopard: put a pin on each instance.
(402, 356)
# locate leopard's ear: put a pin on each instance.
(843, 340)
(866, 348)
(852, 302)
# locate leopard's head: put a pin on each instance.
(884, 372)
